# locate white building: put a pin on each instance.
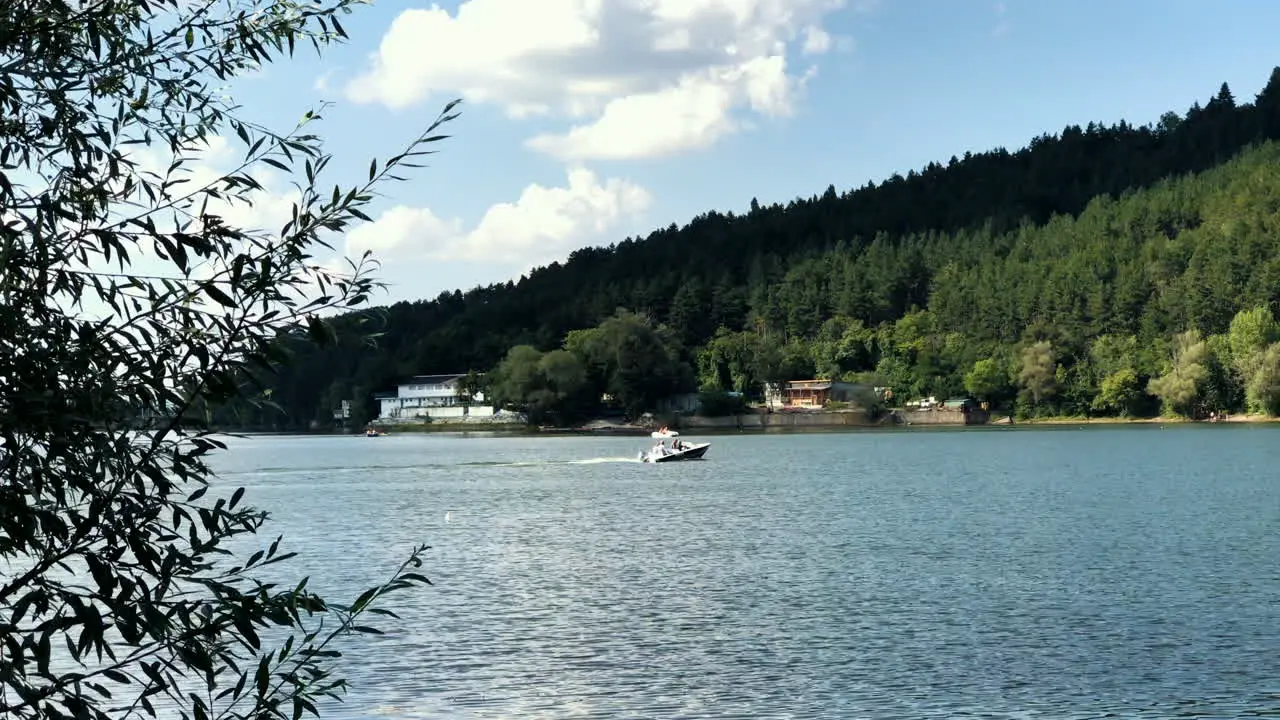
(430, 396)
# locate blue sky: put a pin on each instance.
(682, 106)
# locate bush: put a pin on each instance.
(718, 403)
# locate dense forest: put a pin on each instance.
(1103, 270)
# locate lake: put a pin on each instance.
(999, 573)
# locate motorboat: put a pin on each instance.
(682, 451)
(677, 450)
(373, 432)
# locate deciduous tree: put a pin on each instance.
(1181, 387)
(1038, 372)
(131, 308)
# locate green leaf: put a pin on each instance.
(44, 652)
(263, 677)
(321, 332)
(363, 600)
(218, 295)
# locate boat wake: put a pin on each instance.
(344, 469)
(599, 461)
(537, 463)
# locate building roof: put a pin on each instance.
(384, 395)
(434, 379)
(809, 385)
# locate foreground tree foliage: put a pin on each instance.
(130, 311)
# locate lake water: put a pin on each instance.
(999, 573)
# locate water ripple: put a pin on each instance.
(1108, 573)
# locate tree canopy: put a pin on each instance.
(1054, 278)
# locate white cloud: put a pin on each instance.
(270, 208)
(816, 41)
(694, 113)
(640, 77)
(422, 252)
(404, 230)
(542, 225)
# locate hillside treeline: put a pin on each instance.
(1103, 269)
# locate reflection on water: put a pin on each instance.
(1017, 573)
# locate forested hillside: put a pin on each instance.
(1065, 277)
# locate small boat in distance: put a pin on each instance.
(678, 450)
(373, 432)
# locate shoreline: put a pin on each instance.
(1241, 419)
(621, 430)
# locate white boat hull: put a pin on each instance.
(691, 451)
